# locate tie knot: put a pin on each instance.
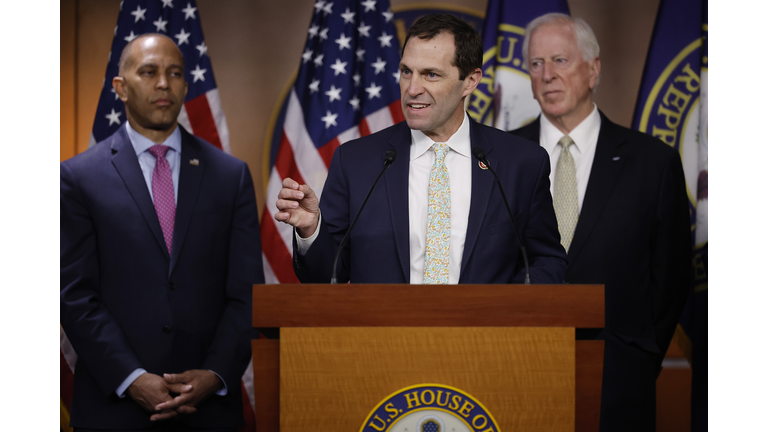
(441, 149)
(565, 141)
(158, 150)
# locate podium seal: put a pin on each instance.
(429, 408)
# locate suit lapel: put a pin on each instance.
(190, 177)
(606, 167)
(396, 182)
(482, 184)
(127, 165)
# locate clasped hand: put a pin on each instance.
(154, 393)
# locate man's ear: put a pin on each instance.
(118, 83)
(594, 73)
(471, 81)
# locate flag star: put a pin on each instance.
(379, 65)
(369, 5)
(198, 73)
(319, 60)
(349, 17)
(324, 34)
(373, 91)
(343, 42)
(363, 29)
(327, 8)
(360, 54)
(202, 48)
(319, 6)
(113, 117)
(313, 31)
(160, 25)
(355, 102)
(139, 14)
(329, 119)
(388, 15)
(183, 37)
(339, 67)
(167, 3)
(314, 87)
(334, 93)
(130, 37)
(385, 40)
(397, 76)
(356, 79)
(307, 55)
(189, 12)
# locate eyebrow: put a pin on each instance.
(424, 71)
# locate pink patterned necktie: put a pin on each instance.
(162, 193)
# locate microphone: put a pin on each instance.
(389, 157)
(480, 155)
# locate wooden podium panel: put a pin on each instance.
(331, 378)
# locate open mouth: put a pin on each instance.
(417, 107)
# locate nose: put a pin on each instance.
(548, 72)
(415, 86)
(162, 81)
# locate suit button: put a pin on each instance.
(171, 286)
(167, 328)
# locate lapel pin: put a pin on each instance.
(194, 162)
(482, 165)
(615, 158)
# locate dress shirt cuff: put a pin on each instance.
(222, 391)
(128, 381)
(303, 244)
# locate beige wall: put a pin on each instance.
(255, 47)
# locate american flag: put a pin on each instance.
(201, 115)
(346, 87)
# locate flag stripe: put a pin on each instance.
(214, 101)
(277, 254)
(326, 151)
(364, 129)
(201, 119)
(308, 160)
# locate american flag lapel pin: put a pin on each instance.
(194, 162)
(482, 165)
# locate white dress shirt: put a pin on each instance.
(582, 150)
(458, 160)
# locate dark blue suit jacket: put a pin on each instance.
(633, 236)
(378, 250)
(125, 303)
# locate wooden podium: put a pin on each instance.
(343, 348)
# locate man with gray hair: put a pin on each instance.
(622, 211)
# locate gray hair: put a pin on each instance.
(585, 37)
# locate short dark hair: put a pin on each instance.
(469, 45)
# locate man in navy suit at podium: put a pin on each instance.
(438, 215)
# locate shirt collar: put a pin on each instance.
(581, 135)
(141, 143)
(458, 142)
